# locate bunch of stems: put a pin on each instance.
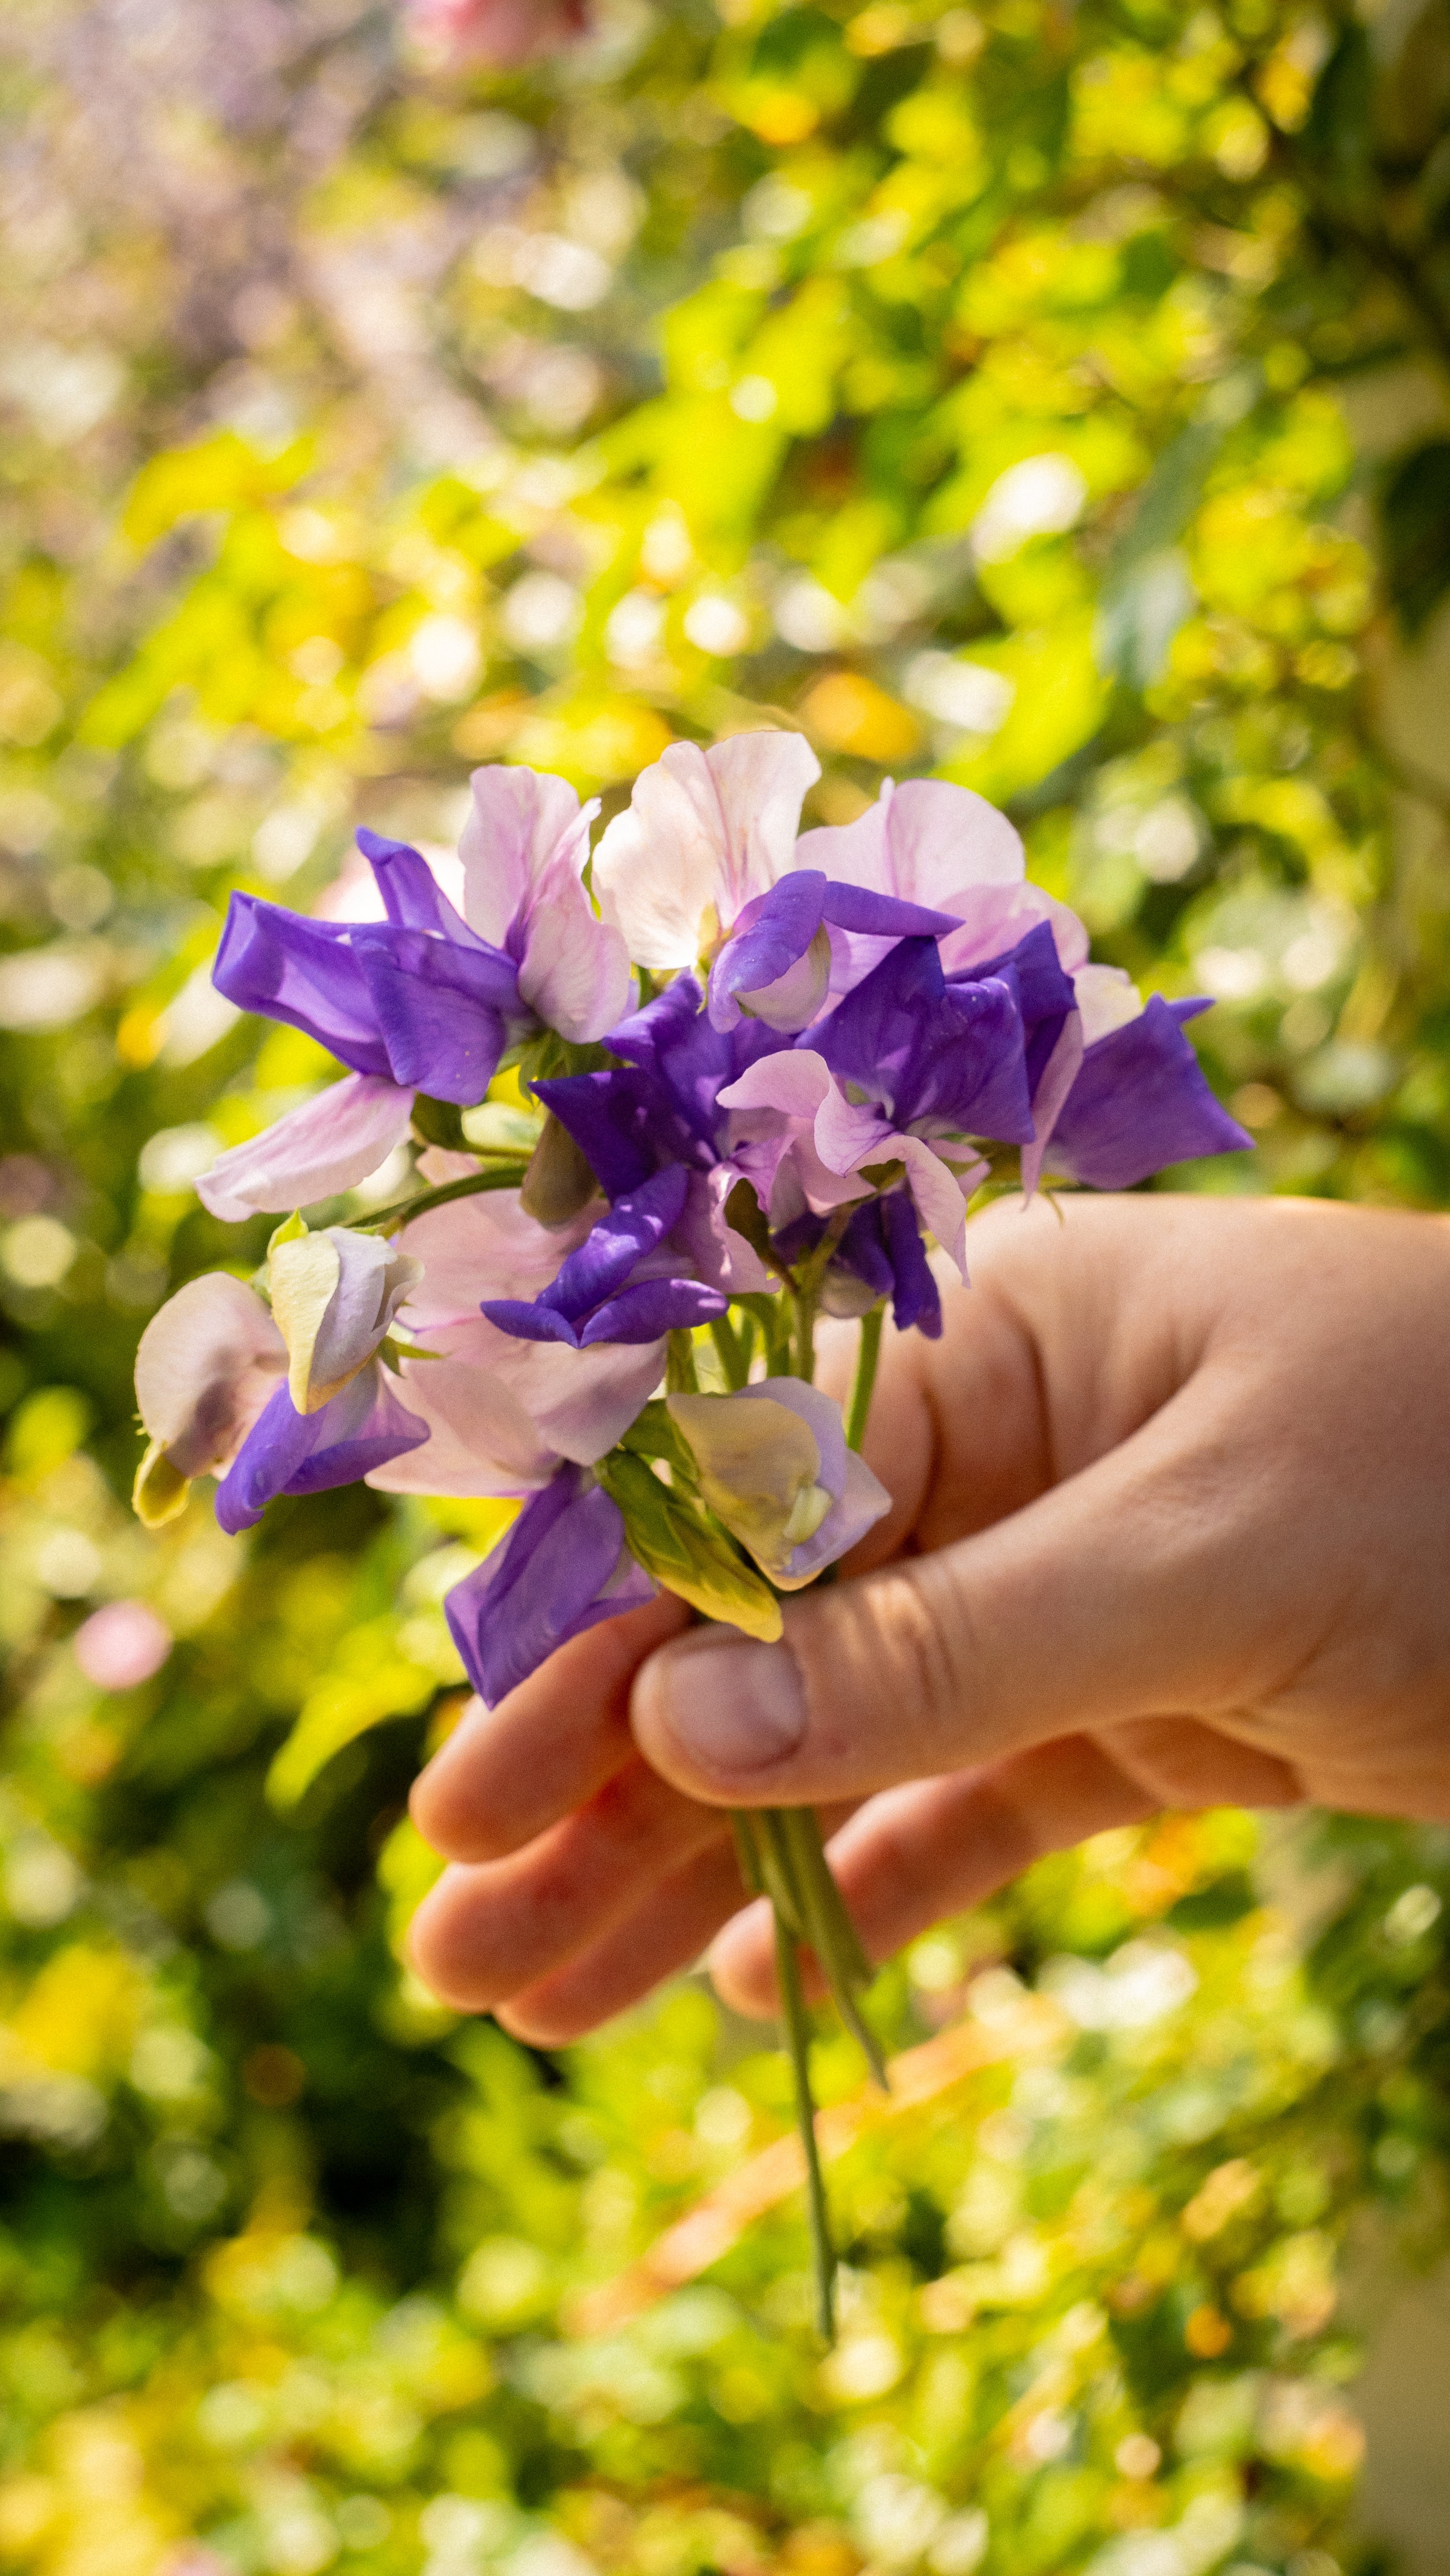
(782, 1857)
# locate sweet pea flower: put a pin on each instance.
(619, 1286)
(523, 849)
(908, 1068)
(561, 1569)
(334, 1296)
(419, 1000)
(207, 1364)
(776, 964)
(774, 1467)
(880, 1254)
(502, 1411)
(661, 1110)
(704, 833)
(287, 1452)
(928, 842)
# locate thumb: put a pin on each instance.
(1137, 1585)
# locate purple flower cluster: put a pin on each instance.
(788, 1062)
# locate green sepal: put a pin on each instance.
(676, 1540)
(559, 1181)
(439, 1122)
(292, 1231)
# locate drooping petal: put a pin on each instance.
(327, 1146)
(307, 973)
(615, 1244)
(561, 1569)
(704, 831)
(883, 1249)
(1140, 1102)
(481, 1440)
(287, 1452)
(206, 1366)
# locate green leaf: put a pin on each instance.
(1415, 517)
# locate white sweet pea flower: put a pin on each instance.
(704, 832)
(774, 1467)
(334, 1296)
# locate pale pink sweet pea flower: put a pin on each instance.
(208, 1362)
(504, 32)
(931, 843)
(495, 1404)
(523, 850)
(704, 833)
(315, 1152)
(823, 1142)
(122, 1645)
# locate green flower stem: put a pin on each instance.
(866, 1360)
(505, 1176)
(681, 1374)
(734, 1350)
(797, 2029)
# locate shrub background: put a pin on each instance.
(1054, 399)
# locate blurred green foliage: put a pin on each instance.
(998, 390)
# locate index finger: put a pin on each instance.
(507, 1773)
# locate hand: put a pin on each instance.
(1170, 1528)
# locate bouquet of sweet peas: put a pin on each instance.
(767, 1072)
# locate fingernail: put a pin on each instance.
(737, 1707)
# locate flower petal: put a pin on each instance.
(304, 972)
(207, 1363)
(705, 830)
(561, 1569)
(328, 1145)
(1141, 1102)
(287, 1452)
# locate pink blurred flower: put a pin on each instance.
(121, 1645)
(498, 31)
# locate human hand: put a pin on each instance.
(1170, 1528)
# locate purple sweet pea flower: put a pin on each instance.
(561, 1569)
(1141, 1102)
(619, 1286)
(417, 1000)
(881, 1254)
(777, 963)
(660, 1111)
(287, 1452)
